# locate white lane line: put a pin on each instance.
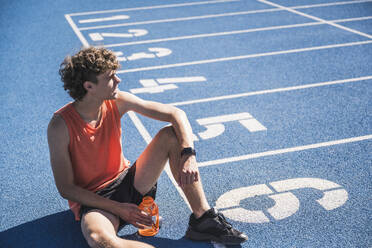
(105, 19)
(363, 18)
(214, 34)
(316, 18)
(77, 31)
(257, 55)
(182, 19)
(282, 151)
(151, 7)
(261, 92)
(178, 80)
(141, 128)
(249, 12)
(147, 137)
(233, 32)
(329, 4)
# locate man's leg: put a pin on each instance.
(151, 163)
(205, 223)
(100, 227)
(100, 230)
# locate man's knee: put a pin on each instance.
(169, 135)
(99, 238)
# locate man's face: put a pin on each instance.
(107, 85)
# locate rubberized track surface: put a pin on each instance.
(278, 94)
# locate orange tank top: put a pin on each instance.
(95, 152)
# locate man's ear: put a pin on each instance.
(88, 85)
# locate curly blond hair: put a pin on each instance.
(86, 65)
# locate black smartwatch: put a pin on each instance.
(188, 151)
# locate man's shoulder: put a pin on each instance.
(128, 98)
(58, 119)
(125, 100)
(123, 95)
(57, 126)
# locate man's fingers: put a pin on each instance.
(141, 226)
(182, 179)
(190, 178)
(140, 217)
(196, 177)
(138, 225)
(143, 214)
(187, 178)
(144, 218)
(142, 222)
(179, 180)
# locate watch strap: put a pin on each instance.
(188, 151)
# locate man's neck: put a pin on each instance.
(89, 110)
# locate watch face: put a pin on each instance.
(188, 151)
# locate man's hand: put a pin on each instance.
(189, 171)
(133, 215)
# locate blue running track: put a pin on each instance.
(278, 93)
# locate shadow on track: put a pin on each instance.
(56, 230)
(60, 230)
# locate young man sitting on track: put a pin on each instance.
(91, 172)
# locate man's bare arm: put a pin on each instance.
(158, 111)
(188, 171)
(58, 140)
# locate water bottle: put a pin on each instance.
(149, 206)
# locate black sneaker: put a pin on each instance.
(212, 226)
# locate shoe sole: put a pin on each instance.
(208, 237)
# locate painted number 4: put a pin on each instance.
(161, 84)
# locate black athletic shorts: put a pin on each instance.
(122, 190)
